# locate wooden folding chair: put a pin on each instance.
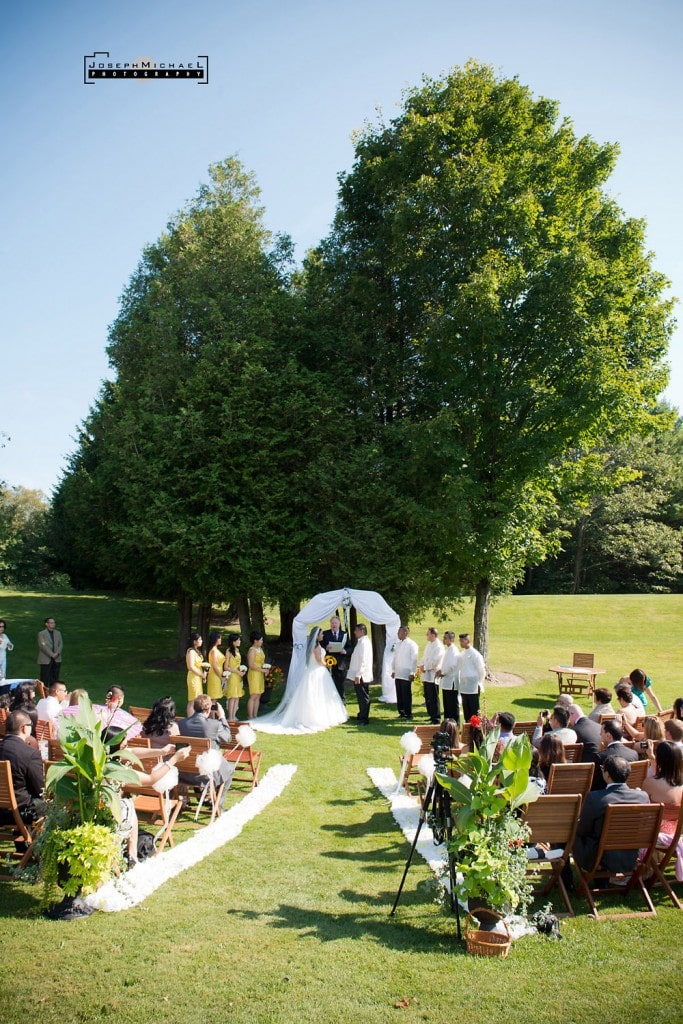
(245, 759)
(625, 827)
(552, 820)
(665, 857)
(17, 829)
(638, 773)
(425, 734)
(571, 778)
(582, 683)
(524, 727)
(45, 731)
(191, 775)
(573, 752)
(159, 808)
(665, 715)
(4, 713)
(607, 716)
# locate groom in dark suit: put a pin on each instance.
(335, 634)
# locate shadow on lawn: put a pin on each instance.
(393, 932)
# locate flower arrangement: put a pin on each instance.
(489, 838)
(275, 676)
(330, 660)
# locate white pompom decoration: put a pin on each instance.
(169, 780)
(245, 736)
(410, 742)
(209, 762)
(425, 765)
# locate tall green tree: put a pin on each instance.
(502, 316)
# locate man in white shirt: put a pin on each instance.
(431, 663)
(48, 708)
(403, 669)
(471, 675)
(359, 672)
(447, 677)
(559, 726)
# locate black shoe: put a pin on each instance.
(435, 721)
(362, 721)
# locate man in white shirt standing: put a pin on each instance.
(447, 677)
(431, 663)
(403, 669)
(359, 672)
(471, 675)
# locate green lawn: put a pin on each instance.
(289, 922)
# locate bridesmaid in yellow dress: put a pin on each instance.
(256, 676)
(235, 685)
(195, 670)
(216, 660)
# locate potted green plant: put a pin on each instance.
(79, 849)
(489, 839)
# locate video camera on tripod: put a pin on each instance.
(441, 745)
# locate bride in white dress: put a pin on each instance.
(309, 704)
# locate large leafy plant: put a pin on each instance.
(89, 777)
(489, 839)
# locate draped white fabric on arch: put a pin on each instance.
(322, 606)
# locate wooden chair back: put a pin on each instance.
(580, 660)
(573, 752)
(142, 714)
(638, 774)
(664, 716)
(607, 716)
(17, 828)
(552, 820)
(191, 774)
(571, 779)
(41, 688)
(625, 827)
(45, 731)
(4, 713)
(524, 727)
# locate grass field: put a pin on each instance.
(289, 922)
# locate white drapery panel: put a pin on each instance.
(322, 606)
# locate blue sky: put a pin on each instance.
(93, 173)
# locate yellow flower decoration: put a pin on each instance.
(330, 661)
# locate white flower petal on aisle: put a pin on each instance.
(135, 885)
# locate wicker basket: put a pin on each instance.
(483, 943)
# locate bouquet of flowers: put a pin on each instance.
(275, 676)
(330, 660)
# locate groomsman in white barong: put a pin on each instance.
(403, 669)
(447, 677)
(431, 663)
(359, 672)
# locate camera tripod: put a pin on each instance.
(437, 802)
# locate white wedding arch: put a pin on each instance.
(322, 606)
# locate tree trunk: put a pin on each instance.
(184, 606)
(482, 603)
(257, 617)
(353, 619)
(242, 605)
(288, 611)
(379, 640)
(204, 621)
(578, 557)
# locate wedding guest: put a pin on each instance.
(665, 786)
(432, 656)
(678, 709)
(447, 676)
(550, 751)
(559, 722)
(235, 675)
(471, 676)
(196, 675)
(23, 700)
(673, 732)
(50, 647)
(602, 698)
(641, 687)
(216, 660)
(5, 646)
(506, 720)
(75, 696)
(630, 712)
(256, 674)
(26, 766)
(48, 708)
(160, 725)
(450, 726)
(404, 667)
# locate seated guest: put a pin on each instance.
(665, 786)
(616, 771)
(26, 766)
(200, 724)
(678, 709)
(602, 698)
(587, 732)
(550, 751)
(450, 726)
(506, 720)
(48, 708)
(673, 732)
(22, 700)
(559, 721)
(611, 738)
(630, 712)
(160, 725)
(76, 696)
(653, 729)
